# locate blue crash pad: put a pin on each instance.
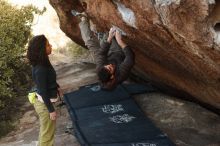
(123, 127)
(111, 118)
(135, 88)
(157, 142)
(132, 88)
(107, 110)
(93, 95)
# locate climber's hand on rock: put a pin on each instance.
(119, 40)
(111, 35)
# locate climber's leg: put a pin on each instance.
(88, 36)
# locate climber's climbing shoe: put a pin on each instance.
(81, 16)
(78, 14)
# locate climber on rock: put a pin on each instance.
(113, 57)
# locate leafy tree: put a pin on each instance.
(74, 49)
(15, 29)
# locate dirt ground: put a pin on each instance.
(186, 123)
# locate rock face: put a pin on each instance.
(176, 42)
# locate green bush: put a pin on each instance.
(15, 30)
(73, 50)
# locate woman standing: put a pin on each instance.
(44, 76)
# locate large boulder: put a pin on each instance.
(176, 42)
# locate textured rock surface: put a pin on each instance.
(176, 42)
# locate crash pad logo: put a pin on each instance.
(111, 109)
(125, 118)
(96, 88)
(144, 144)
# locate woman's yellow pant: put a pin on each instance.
(47, 126)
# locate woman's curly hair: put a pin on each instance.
(36, 52)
